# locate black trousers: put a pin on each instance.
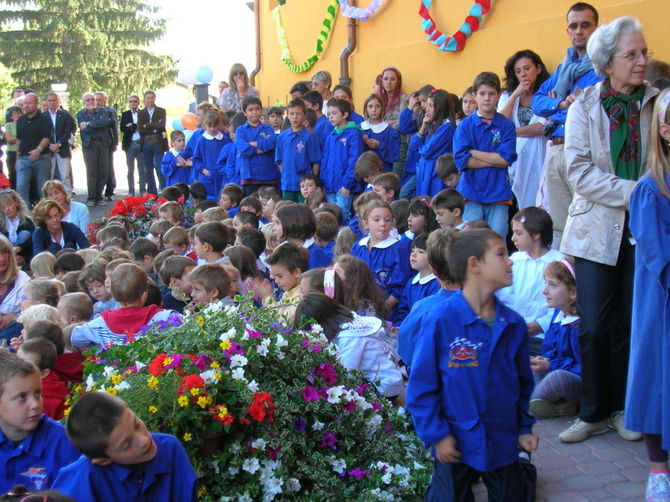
(505, 484)
(604, 301)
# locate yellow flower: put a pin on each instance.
(225, 345)
(116, 379)
(77, 388)
(153, 409)
(202, 491)
(111, 390)
(68, 400)
(215, 365)
(195, 391)
(66, 412)
(200, 320)
(167, 361)
(202, 401)
(223, 412)
(183, 401)
(152, 382)
(217, 375)
(188, 436)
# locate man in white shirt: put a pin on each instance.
(130, 143)
(59, 145)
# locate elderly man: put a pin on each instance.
(94, 124)
(101, 102)
(151, 124)
(130, 143)
(33, 131)
(554, 98)
(62, 128)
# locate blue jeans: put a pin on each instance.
(496, 215)
(408, 190)
(343, 202)
(27, 169)
(153, 156)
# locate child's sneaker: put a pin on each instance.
(616, 423)
(541, 408)
(580, 430)
(658, 487)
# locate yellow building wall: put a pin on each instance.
(393, 37)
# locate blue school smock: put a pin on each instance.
(172, 172)
(388, 261)
(296, 151)
(168, 477)
(192, 142)
(430, 147)
(411, 328)
(357, 118)
(389, 142)
(206, 152)
(416, 289)
(407, 238)
(35, 461)
(322, 129)
(407, 123)
(226, 165)
(342, 149)
(321, 256)
(561, 343)
(355, 226)
(256, 166)
(472, 382)
(648, 393)
(488, 184)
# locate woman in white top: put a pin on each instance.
(75, 212)
(524, 73)
(12, 280)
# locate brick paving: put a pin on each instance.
(603, 467)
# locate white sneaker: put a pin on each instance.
(580, 430)
(616, 423)
(658, 487)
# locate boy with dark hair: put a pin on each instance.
(325, 235)
(254, 239)
(114, 442)
(33, 447)
(42, 353)
(173, 194)
(341, 151)
(255, 143)
(92, 279)
(210, 282)
(446, 170)
(470, 382)
(230, 199)
(275, 118)
(201, 208)
(198, 192)
(484, 148)
(322, 127)
(287, 262)
(368, 167)
(252, 204)
(174, 273)
(110, 232)
(69, 365)
(245, 219)
(173, 170)
(297, 153)
(448, 207)
(67, 262)
(145, 252)
(129, 288)
(387, 185)
(211, 239)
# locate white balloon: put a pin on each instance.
(187, 76)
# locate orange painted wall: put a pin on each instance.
(394, 38)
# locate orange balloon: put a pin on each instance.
(188, 121)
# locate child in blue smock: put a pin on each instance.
(378, 135)
(344, 92)
(423, 284)
(255, 144)
(558, 369)
(297, 152)
(99, 426)
(341, 151)
(409, 122)
(433, 139)
(207, 152)
(471, 380)
(484, 148)
(173, 172)
(32, 446)
(387, 258)
(322, 128)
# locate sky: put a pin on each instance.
(216, 33)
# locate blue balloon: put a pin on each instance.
(188, 133)
(204, 74)
(177, 125)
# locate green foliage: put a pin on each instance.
(91, 45)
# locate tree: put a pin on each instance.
(90, 44)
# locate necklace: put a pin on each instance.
(455, 42)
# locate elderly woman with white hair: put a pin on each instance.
(607, 136)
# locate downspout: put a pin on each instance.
(345, 79)
(257, 21)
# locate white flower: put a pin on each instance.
(334, 394)
(363, 404)
(259, 444)
(351, 395)
(238, 374)
(140, 366)
(208, 376)
(122, 386)
(386, 478)
(244, 498)
(401, 412)
(317, 426)
(274, 485)
(417, 466)
(339, 465)
(233, 470)
(293, 485)
(253, 386)
(230, 309)
(108, 371)
(215, 466)
(332, 349)
(90, 383)
(281, 342)
(238, 360)
(317, 329)
(235, 447)
(280, 355)
(212, 308)
(262, 349)
(251, 465)
(228, 335)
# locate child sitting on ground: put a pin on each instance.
(129, 289)
(75, 308)
(114, 443)
(145, 252)
(214, 214)
(177, 239)
(33, 447)
(287, 263)
(172, 212)
(211, 239)
(175, 273)
(448, 205)
(69, 364)
(230, 198)
(38, 292)
(325, 235)
(92, 279)
(210, 282)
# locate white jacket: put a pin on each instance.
(362, 347)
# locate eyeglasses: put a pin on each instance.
(635, 55)
(584, 25)
(238, 74)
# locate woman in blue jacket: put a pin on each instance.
(53, 234)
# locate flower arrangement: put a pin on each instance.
(138, 211)
(264, 410)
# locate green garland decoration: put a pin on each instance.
(328, 23)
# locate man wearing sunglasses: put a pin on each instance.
(552, 101)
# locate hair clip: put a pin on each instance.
(569, 267)
(425, 203)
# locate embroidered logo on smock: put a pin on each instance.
(495, 137)
(343, 141)
(37, 475)
(383, 276)
(264, 135)
(300, 147)
(463, 353)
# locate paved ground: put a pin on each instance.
(602, 468)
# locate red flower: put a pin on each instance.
(193, 381)
(156, 367)
(262, 407)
